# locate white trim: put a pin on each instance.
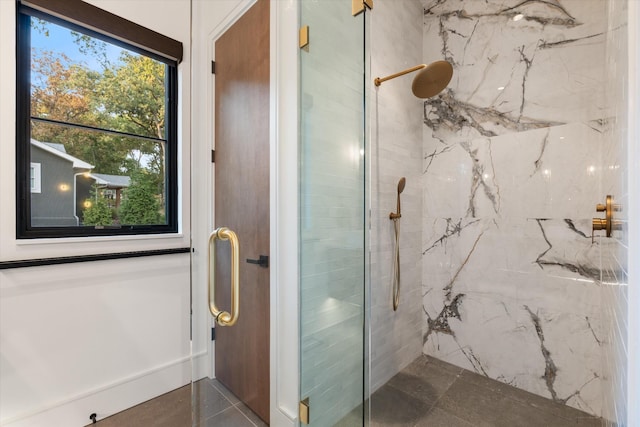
(183, 363)
(633, 177)
(171, 238)
(284, 214)
(37, 178)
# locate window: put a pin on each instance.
(35, 177)
(97, 126)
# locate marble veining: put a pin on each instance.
(441, 323)
(452, 228)
(448, 117)
(589, 271)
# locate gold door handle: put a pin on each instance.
(224, 318)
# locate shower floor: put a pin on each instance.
(433, 393)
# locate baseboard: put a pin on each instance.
(110, 398)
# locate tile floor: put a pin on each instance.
(428, 393)
(433, 393)
(213, 405)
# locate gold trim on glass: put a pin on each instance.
(358, 6)
(224, 318)
(303, 37)
(304, 411)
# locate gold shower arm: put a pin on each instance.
(378, 81)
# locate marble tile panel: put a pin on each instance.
(545, 173)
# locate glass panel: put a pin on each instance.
(96, 179)
(76, 78)
(97, 135)
(332, 177)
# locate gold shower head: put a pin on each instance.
(430, 81)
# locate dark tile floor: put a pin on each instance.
(433, 393)
(427, 393)
(213, 405)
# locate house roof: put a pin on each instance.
(59, 147)
(77, 163)
(111, 180)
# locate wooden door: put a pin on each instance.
(242, 202)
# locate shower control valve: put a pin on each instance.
(608, 223)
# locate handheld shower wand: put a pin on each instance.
(395, 217)
(401, 185)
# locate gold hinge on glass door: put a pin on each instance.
(357, 6)
(303, 38)
(304, 411)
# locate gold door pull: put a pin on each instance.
(607, 223)
(224, 318)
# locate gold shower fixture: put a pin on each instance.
(395, 217)
(430, 81)
(398, 214)
(607, 223)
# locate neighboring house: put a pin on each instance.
(61, 183)
(111, 187)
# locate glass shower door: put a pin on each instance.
(332, 214)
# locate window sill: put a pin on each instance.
(39, 262)
(99, 239)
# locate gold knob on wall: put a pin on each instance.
(607, 223)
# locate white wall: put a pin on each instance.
(100, 336)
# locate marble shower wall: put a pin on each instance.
(395, 152)
(512, 170)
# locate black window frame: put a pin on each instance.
(24, 229)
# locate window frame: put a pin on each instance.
(24, 229)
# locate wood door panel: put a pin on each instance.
(242, 202)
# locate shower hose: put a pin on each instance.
(396, 266)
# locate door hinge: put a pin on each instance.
(213, 67)
(213, 156)
(303, 38)
(358, 6)
(304, 411)
(213, 334)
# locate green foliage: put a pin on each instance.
(127, 95)
(142, 203)
(98, 212)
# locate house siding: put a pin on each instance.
(53, 206)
